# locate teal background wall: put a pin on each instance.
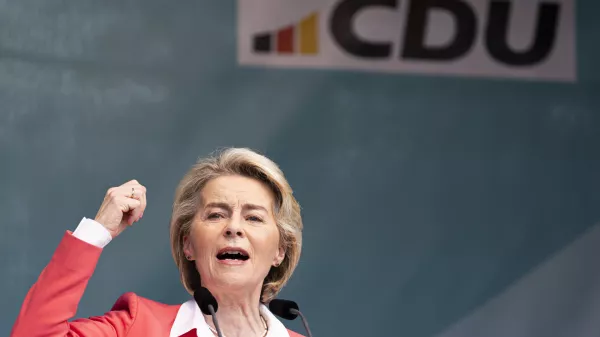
(433, 206)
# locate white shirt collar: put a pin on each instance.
(189, 317)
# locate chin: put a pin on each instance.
(232, 278)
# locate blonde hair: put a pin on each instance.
(244, 162)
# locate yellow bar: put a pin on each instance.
(309, 39)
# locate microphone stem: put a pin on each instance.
(214, 317)
(297, 312)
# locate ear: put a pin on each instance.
(187, 247)
(279, 257)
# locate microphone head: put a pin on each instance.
(204, 298)
(282, 308)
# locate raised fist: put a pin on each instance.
(122, 206)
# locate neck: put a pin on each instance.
(238, 315)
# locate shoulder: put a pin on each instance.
(137, 305)
(147, 317)
(294, 334)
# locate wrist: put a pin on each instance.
(93, 233)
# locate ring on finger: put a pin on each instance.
(132, 192)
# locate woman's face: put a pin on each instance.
(234, 238)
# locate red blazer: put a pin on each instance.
(53, 301)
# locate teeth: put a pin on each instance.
(233, 252)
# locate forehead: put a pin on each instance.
(237, 189)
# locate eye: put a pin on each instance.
(254, 218)
(214, 216)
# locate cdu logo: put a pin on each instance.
(495, 31)
(507, 39)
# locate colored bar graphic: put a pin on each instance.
(262, 43)
(301, 37)
(309, 43)
(285, 40)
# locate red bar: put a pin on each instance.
(285, 40)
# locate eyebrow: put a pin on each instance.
(229, 208)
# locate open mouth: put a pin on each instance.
(234, 254)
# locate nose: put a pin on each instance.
(234, 229)
(229, 233)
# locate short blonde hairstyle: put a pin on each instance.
(247, 163)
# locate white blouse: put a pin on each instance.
(189, 316)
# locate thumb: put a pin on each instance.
(127, 204)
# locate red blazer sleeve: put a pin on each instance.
(53, 300)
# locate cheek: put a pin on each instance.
(270, 243)
(201, 242)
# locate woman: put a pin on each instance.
(236, 230)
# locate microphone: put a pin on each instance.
(208, 305)
(288, 310)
